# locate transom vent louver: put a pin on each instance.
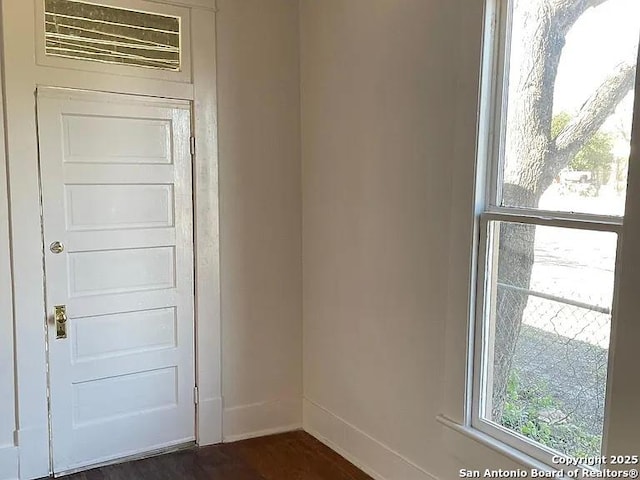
(98, 33)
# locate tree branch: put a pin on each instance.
(567, 12)
(596, 110)
(591, 117)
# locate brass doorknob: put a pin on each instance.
(60, 316)
(56, 247)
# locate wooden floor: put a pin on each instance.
(289, 456)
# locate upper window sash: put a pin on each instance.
(569, 174)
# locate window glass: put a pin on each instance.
(99, 33)
(548, 310)
(570, 79)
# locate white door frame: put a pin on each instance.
(22, 75)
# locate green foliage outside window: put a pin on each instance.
(597, 154)
(535, 414)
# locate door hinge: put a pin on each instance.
(192, 143)
(195, 395)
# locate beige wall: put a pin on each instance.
(380, 106)
(377, 128)
(260, 217)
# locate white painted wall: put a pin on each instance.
(389, 98)
(260, 217)
(377, 115)
(8, 452)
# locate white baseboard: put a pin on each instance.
(371, 456)
(8, 463)
(209, 421)
(260, 419)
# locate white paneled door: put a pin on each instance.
(117, 225)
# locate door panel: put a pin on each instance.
(106, 207)
(120, 271)
(90, 139)
(116, 334)
(116, 191)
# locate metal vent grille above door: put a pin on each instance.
(99, 33)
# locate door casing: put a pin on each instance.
(22, 76)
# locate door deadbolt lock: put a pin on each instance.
(60, 315)
(56, 247)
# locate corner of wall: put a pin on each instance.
(370, 455)
(260, 419)
(260, 215)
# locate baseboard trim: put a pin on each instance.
(263, 433)
(365, 452)
(260, 419)
(8, 463)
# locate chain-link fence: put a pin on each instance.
(557, 379)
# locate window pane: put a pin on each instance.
(111, 35)
(571, 71)
(548, 305)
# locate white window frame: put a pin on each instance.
(490, 160)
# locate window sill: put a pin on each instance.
(497, 446)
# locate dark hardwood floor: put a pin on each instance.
(289, 456)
